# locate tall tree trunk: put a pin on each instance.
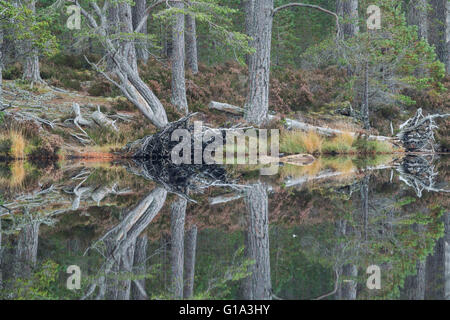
(249, 6)
(191, 44)
(365, 101)
(112, 17)
(1, 67)
(31, 68)
(126, 23)
(26, 250)
(417, 14)
(140, 259)
(177, 246)
(189, 262)
(439, 30)
(258, 285)
(141, 45)
(348, 11)
(178, 55)
(257, 104)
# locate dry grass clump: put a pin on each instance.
(300, 142)
(341, 144)
(13, 144)
(17, 144)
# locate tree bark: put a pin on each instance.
(177, 246)
(191, 44)
(178, 55)
(126, 26)
(439, 30)
(189, 262)
(417, 15)
(258, 285)
(365, 102)
(257, 104)
(140, 258)
(112, 17)
(348, 11)
(26, 250)
(138, 15)
(249, 6)
(31, 68)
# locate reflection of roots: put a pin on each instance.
(419, 173)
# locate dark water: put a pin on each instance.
(308, 232)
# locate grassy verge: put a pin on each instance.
(293, 142)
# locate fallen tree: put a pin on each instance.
(416, 134)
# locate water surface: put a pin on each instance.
(306, 233)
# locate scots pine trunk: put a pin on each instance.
(248, 11)
(1, 68)
(257, 286)
(191, 44)
(257, 104)
(126, 26)
(189, 262)
(141, 45)
(347, 10)
(417, 14)
(112, 17)
(31, 68)
(177, 247)
(178, 54)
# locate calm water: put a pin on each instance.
(308, 232)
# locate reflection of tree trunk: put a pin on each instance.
(447, 256)
(189, 262)
(140, 258)
(414, 288)
(120, 243)
(1, 256)
(26, 251)
(258, 285)
(347, 289)
(364, 189)
(177, 246)
(126, 268)
(415, 285)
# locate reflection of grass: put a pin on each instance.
(14, 175)
(293, 142)
(346, 166)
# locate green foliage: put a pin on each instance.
(42, 285)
